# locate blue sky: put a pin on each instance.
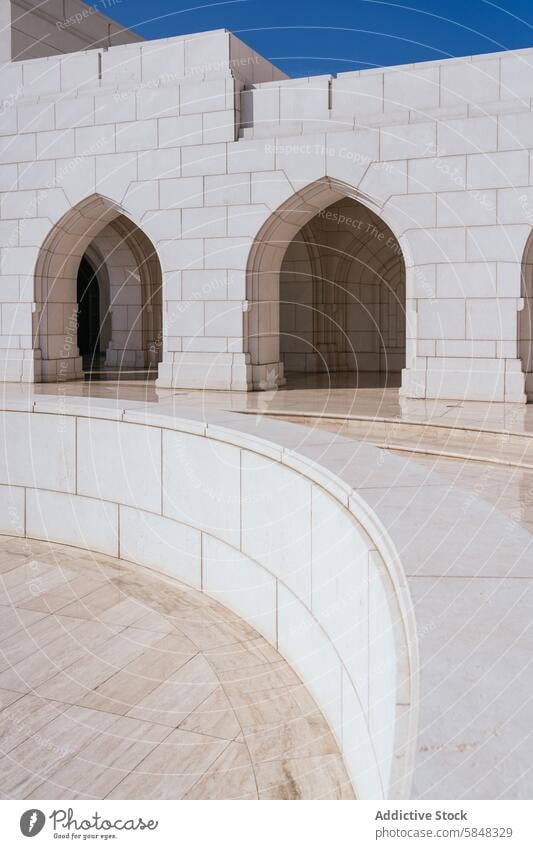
(307, 38)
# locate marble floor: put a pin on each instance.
(116, 682)
(313, 395)
(467, 429)
(508, 489)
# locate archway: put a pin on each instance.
(525, 319)
(118, 320)
(327, 291)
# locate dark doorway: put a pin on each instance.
(88, 315)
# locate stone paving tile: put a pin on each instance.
(231, 776)
(214, 716)
(175, 698)
(104, 762)
(295, 778)
(173, 767)
(115, 683)
(23, 718)
(29, 763)
(27, 641)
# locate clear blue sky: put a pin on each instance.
(307, 38)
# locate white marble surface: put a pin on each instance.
(72, 519)
(462, 533)
(206, 149)
(136, 450)
(202, 487)
(147, 539)
(277, 521)
(117, 683)
(200, 499)
(240, 584)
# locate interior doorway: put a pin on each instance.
(99, 297)
(326, 283)
(88, 316)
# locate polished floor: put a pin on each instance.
(118, 683)
(312, 395)
(448, 437)
(508, 489)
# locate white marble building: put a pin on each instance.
(179, 208)
(239, 225)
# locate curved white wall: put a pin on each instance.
(292, 550)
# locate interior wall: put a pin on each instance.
(132, 303)
(525, 319)
(125, 343)
(342, 294)
(96, 260)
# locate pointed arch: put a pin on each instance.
(70, 239)
(264, 268)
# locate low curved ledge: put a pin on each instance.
(236, 508)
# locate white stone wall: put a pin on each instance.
(204, 503)
(201, 144)
(35, 28)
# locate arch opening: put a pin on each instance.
(327, 286)
(525, 319)
(99, 295)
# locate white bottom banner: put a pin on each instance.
(264, 824)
